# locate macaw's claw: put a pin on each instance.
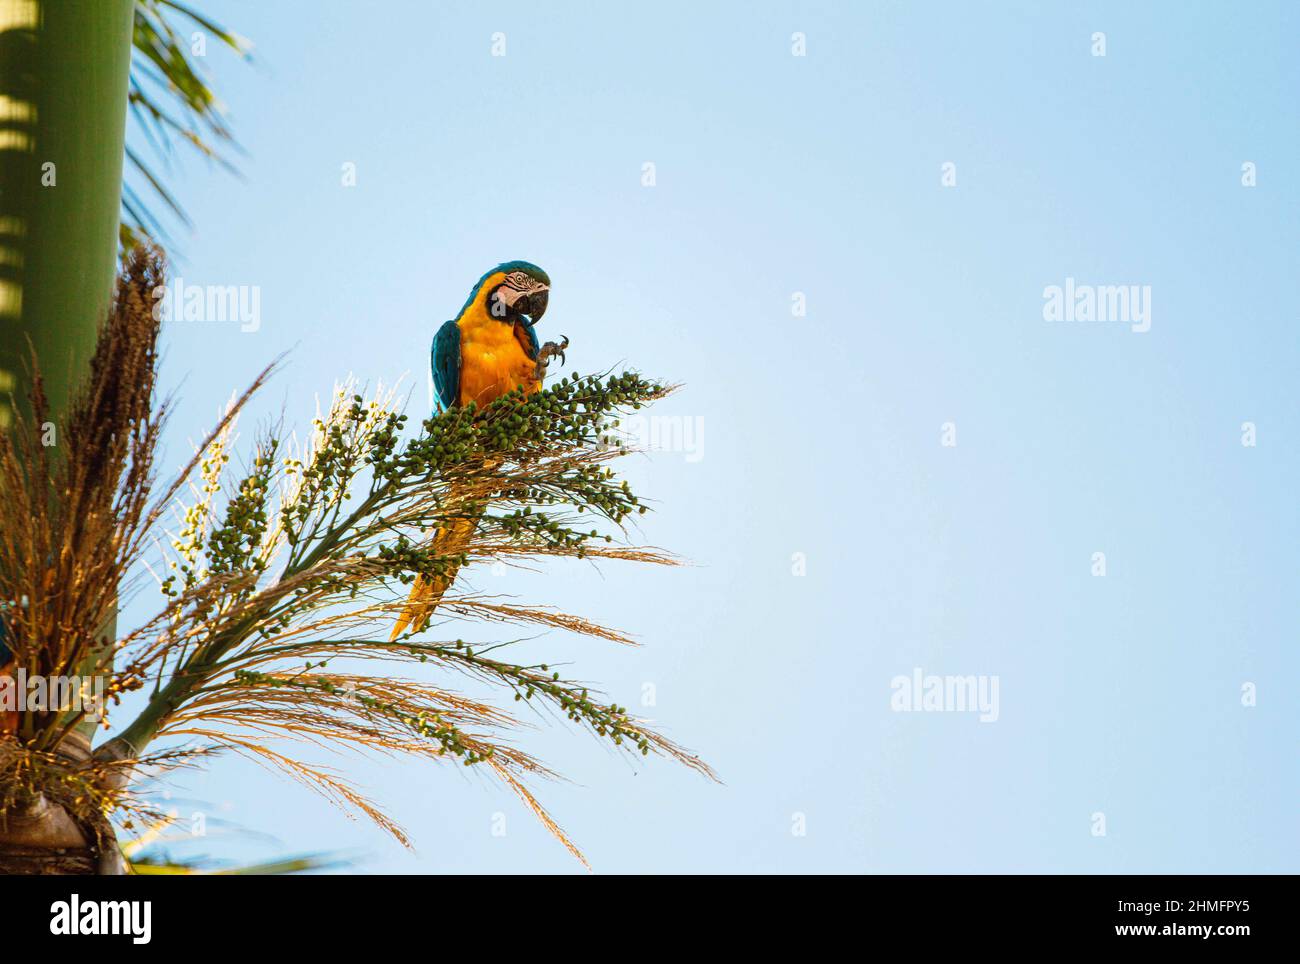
(547, 352)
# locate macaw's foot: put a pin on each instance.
(549, 351)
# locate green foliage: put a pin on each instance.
(172, 102)
(304, 556)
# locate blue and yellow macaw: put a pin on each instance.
(486, 351)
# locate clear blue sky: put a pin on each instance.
(821, 174)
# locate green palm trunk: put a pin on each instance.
(63, 87)
(63, 99)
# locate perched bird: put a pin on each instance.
(486, 351)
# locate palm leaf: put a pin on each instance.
(285, 865)
(171, 101)
(144, 855)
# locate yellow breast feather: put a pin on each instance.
(492, 360)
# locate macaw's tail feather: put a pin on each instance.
(451, 540)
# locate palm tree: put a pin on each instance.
(276, 572)
(69, 71)
(63, 95)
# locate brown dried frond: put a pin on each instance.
(320, 780)
(75, 492)
(486, 610)
(88, 791)
(244, 717)
(538, 810)
(78, 503)
(114, 411)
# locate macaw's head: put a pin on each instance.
(515, 292)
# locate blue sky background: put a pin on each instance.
(821, 174)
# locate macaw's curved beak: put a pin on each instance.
(533, 304)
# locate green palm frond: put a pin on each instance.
(288, 865)
(149, 849)
(171, 102)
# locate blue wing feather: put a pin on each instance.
(533, 348)
(444, 366)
